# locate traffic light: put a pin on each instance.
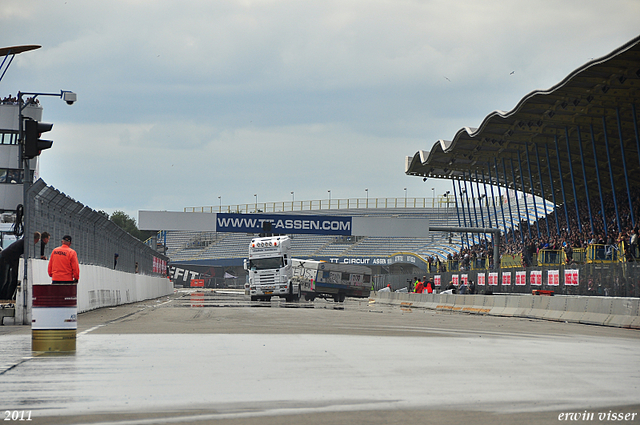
(33, 145)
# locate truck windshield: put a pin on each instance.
(266, 263)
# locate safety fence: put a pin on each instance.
(592, 254)
(595, 279)
(96, 239)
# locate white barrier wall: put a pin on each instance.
(98, 287)
(605, 311)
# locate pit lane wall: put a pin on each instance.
(98, 287)
(606, 311)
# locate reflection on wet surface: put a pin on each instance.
(213, 298)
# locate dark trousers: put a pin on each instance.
(8, 279)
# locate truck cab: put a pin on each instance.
(270, 269)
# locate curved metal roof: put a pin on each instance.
(592, 108)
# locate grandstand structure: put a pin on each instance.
(230, 249)
(576, 144)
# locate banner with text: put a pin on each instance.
(284, 224)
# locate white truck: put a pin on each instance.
(270, 269)
(331, 280)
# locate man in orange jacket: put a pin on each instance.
(63, 263)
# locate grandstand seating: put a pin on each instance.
(192, 245)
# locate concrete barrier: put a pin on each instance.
(539, 307)
(511, 306)
(445, 302)
(607, 311)
(556, 308)
(624, 313)
(575, 308)
(597, 311)
(98, 287)
(499, 304)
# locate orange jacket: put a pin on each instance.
(63, 264)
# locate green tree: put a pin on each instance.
(128, 224)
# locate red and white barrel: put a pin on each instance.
(54, 317)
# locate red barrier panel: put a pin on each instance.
(55, 295)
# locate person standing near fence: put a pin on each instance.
(63, 264)
(9, 262)
(44, 240)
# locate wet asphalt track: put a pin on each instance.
(216, 357)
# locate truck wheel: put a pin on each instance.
(254, 298)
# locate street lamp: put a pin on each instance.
(68, 97)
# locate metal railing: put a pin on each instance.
(327, 204)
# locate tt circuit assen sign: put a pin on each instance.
(313, 224)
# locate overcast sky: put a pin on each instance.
(182, 102)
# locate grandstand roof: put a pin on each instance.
(596, 102)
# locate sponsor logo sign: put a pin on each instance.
(535, 278)
(277, 223)
(571, 277)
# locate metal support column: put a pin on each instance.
(466, 194)
(464, 217)
(524, 195)
(613, 186)
(473, 200)
(480, 201)
(573, 183)
(504, 221)
(553, 192)
(455, 195)
(624, 163)
(635, 129)
(544, 200)
(515, 191)
(595, 159)
(584, 174)
(533, 193)
(493, 197)
(564, 195)
(484, 183)
(506, 184)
